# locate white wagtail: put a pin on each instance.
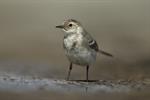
(80, 47)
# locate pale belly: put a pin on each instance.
(81, 57)
(76, 52)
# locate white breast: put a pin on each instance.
(70, 40)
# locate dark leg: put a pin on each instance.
(87, 73)
(70, 68)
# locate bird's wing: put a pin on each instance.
(90, 42)
(93, 45)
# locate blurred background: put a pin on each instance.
(30, 44)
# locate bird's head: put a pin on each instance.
(71, 26)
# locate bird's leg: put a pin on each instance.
(70, 68)
(87, 73)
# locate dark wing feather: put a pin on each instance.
(93, 45)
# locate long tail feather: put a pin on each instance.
(105, 53)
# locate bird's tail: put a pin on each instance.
(105, 53)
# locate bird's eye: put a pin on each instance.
(70, 25)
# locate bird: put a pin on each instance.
(79, 46)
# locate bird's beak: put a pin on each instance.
(60, 26)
